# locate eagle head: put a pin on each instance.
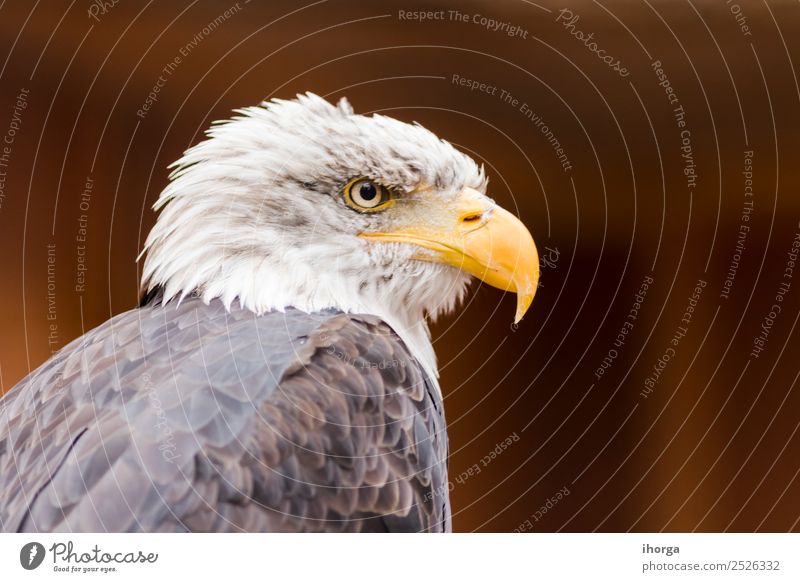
(301, 203)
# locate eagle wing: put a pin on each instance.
(191, 417)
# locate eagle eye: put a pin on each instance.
(365, 195)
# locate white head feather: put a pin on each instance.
(256, 214)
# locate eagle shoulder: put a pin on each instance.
(192, 417)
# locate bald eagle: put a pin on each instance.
(278, 374)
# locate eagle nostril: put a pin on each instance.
(474, 217)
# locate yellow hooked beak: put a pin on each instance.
(477, 237)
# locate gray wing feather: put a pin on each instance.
(192, 417)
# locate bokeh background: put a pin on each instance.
(712, 445)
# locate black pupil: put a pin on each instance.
(368, 191)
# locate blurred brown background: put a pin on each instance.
(713, 446)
